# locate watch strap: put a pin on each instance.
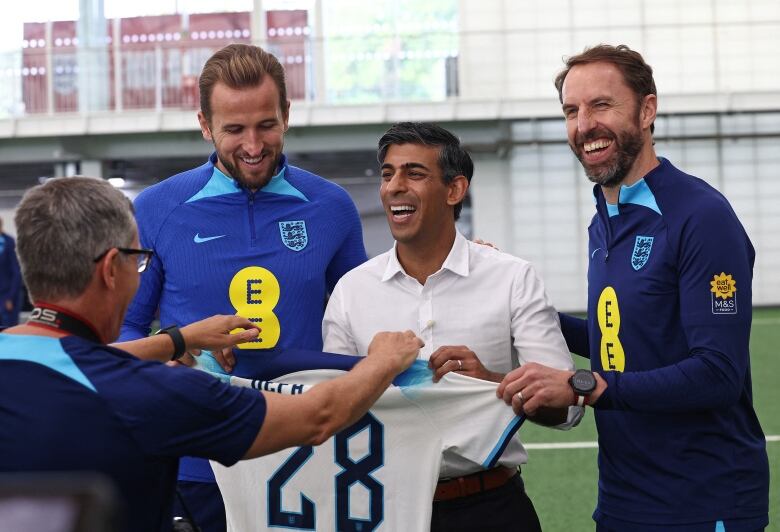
(179, 345)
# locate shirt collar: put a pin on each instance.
(457, 260)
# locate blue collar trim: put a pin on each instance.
(279, 185)
(639, 194)
(220, 184)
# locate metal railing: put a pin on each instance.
(163, 75)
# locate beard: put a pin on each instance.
(254, 183)
(628, 144)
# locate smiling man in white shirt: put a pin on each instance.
(479, 311)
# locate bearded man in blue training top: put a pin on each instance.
(246, 233)
(668, 325)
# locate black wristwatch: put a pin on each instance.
(179, 346)
(583, 383)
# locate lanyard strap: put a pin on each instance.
(54, 317)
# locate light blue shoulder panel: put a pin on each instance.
(280, 185)
(45, 351)
(218, 185)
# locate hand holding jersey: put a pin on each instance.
(333, 405)
(534, 386)
(461, 359)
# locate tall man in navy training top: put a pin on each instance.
(245, 233)
(69, 402)
(668, 324)
(480, 312)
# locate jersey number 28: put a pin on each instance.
(352, 472)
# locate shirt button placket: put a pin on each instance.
(425, 317)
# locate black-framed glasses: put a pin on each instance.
(144, 256)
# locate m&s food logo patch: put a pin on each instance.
(723, 290)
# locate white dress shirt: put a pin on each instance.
(491, 302)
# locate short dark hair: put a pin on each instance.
(454, 160)
(240, 66)
(637, 74)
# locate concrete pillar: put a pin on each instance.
(317, 52)
(259, 24)
(91, 30)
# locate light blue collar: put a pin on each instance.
(220, 184)
(637, 194)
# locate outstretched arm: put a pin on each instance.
(212, 333)
(330, 406)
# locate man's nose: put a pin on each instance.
(585, 121)
(397, 183)
(253, 143)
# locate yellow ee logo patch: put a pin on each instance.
(613, 358)
(723, 290)
(254, 292)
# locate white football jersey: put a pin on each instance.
(378, 474)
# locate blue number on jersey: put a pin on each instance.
(351, 473)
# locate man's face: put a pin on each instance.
(247, 128)
(602, 121)
(417, 202)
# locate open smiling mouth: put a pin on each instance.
(597, 146)
(402, 212)
(251, 161)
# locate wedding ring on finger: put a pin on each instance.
(520, 395)
(460, 364)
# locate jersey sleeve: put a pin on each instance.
(575, 332)
(337, 334)
(184, 412)
(714, 283)
(472, 421)
(352, 252)
(143, 308)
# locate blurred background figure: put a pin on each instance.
(10, 281)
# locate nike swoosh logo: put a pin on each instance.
(199, 239)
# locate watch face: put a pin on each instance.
(583, 381)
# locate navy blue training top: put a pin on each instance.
(72, 405)
(669, 313)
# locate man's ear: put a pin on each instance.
(456, 189)
(108, 269)
(648, 111)
(205, 130)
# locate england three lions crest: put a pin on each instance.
(294, 234)
(642, 247)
